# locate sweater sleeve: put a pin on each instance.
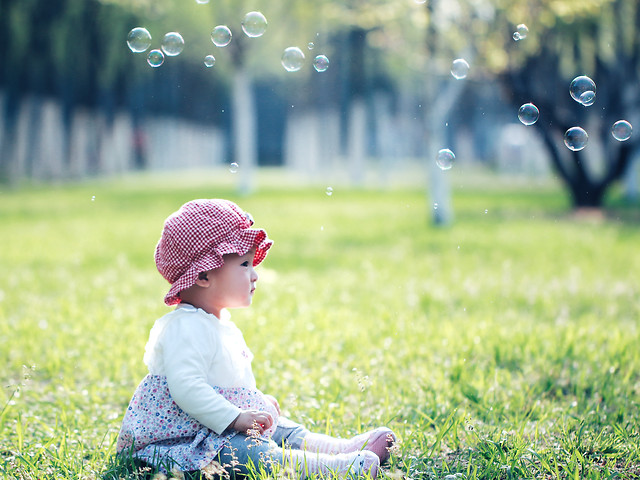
(189, 347)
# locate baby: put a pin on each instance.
(199, 407)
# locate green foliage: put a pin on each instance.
(504, 346)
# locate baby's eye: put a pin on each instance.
(245, 264)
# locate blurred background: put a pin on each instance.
(400, 81)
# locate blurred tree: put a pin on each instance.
(565, 39)
(60, 49)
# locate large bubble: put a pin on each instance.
(139, 39)
(155, 58)
(292, 59)
(254, 24)
(583, 90)
(445, 159)
(459, 68)
(528, 114)
(172, 44)
(621, 130)
(576, 138)
(221, 36)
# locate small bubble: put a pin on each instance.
(292, 59)
(588, 98)
(202, 2)
(221, 36)
(310, 45)
(580, 86)
(621, 130)
(445, 159)
(233, 167)
(155, 58)
(486, 210)
(435, 206)
(576, 138)
(139, 39)
(528, 114)
(521, 32)
(209, 61)
(321, 63)
(254, 24)
(459, 69)
(172, 44)
(329, 191)
(93, 198)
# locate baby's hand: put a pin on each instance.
(250, 421)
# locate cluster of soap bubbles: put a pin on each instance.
(139, 41)
(293, 59)
(583, 90)
(254, 24)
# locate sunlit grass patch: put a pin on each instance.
(502, 346)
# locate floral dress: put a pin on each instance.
(156, 430)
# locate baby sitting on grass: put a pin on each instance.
(199, 407)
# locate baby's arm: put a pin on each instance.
(187, 352)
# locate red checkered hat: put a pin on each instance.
(195, 238)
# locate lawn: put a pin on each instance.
(504, 346)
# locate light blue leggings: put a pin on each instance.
(243, 451)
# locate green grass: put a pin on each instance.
(504, 346)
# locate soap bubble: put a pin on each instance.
(202, 1)
(459, 69)
(292, 59)
(576, 138)
(155, 58)
(445, 159)
(172, 44)
(580, 86)
(233, 167)
(139, 39)
(310, 45)
(209, 61)
(221, 36)
(528, 114)
(321, 63)
(329, 191)
(588, 98)
(254, 24)
(621, 130)
(521, 32)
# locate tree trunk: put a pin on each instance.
(244, 129)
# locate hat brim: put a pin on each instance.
(240, 243)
